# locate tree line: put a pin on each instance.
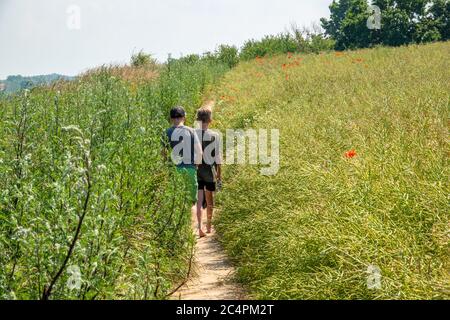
(401, 22)
(352, 24)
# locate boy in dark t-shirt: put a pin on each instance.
(209, 173)
(186, 152)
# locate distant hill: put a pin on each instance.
(16, 83)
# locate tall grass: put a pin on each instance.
(298, 40)
(83, 185)
(313, 230)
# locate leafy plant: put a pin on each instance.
(142, 59)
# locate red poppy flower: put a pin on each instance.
(350, 154)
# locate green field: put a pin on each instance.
(313, 230)
(83, 183)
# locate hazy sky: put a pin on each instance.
(70, 36)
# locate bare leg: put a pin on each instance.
(209, 209)
(201, 193)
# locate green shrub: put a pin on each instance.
(269, 45)
(297, 41)
(142, 59)
(228, 55)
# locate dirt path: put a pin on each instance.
(212, 277)
(212, 274)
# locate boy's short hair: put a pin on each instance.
(204, 115)
(177, 112)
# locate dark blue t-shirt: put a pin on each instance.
(184, 155)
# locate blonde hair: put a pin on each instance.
(209, 105)
(204, 114)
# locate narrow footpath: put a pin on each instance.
(212, 276)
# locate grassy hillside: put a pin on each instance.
(312, 231)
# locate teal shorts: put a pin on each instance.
(189, 175)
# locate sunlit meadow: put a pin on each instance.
(363, 180)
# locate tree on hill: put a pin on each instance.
(142, 59)
(402, 22)
(436, 23)
(348, 24)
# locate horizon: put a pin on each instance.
(70, 37)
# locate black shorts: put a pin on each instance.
(209, 186)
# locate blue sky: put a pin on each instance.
(42, 36)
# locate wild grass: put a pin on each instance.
(133, 75)
(313, 230)
(83, 185)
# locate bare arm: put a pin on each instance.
(219, 157)
(164, 148)
(219, 172)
